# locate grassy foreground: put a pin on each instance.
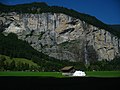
(59, 74)
(103, 73)
(19, 73)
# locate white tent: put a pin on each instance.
(79, 73)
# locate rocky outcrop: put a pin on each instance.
(61, 36)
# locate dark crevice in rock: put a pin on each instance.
(67, 30)
(72, 22)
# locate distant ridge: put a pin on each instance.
(116, 27)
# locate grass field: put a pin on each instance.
(59, 74)
(103, 73)
(47, 74)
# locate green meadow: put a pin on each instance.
(20, 73)
(59, 74)
(103, 73)
(18, 60)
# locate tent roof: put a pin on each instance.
(79, 73)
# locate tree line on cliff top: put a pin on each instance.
(41, 7)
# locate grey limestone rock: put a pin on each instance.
(61, 36)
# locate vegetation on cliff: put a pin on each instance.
(17, 50)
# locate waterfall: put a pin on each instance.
(54, 34)
(85, 44)
(85, 51)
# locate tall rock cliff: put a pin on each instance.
(62, 36)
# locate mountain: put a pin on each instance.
(60, 32)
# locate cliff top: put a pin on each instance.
(41, 7)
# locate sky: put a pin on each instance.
(108, 11)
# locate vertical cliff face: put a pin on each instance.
(61, 36)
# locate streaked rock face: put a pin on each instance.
(61, 36)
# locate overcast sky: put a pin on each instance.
(108, 11)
